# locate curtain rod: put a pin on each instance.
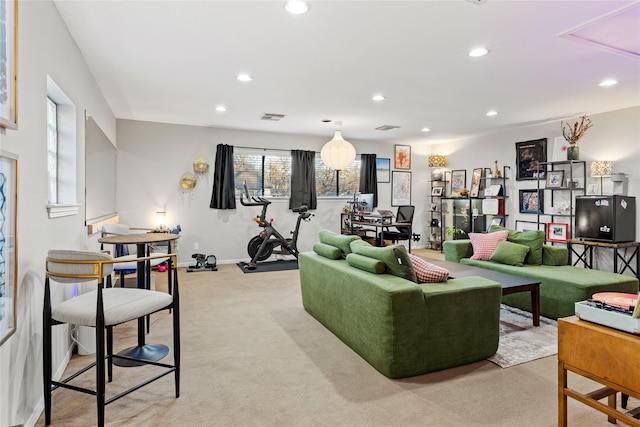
(267, 149)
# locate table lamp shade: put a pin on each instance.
(437, 161)
(601, 168)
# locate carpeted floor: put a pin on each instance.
(251, 356)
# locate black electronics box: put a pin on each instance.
(606, 218)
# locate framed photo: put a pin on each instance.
(529, 154)
(8, 253)
(400, 188)
(559, 150)
(8, 70)
(530, 226)
(437, 191)
(458, 180)
(531, 201)
(557, 231)
(402, 155)
(496, 221)
(383, 167)
(592, 189)
(476, 181)
(555, 179)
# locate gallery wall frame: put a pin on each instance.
(557, 232)
(458, 180)
(383, 168)
(8, 243)
(530, 225)
(9, 70)
(400, 188)
(529, 155)
(402, 156)
(531, 201)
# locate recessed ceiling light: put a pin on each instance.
(425, 129)
(608, 82)
(221, 108)
(243, 77)
(296, 7)
(481, 51)
(378, 97)
(492, 113)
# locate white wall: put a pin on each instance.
(153, 156)
(44, 47)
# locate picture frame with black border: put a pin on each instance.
(531, 201)
(402, 156)
(383, 169)
(400, 188)
(458, 180)
(555, 179)
(557, 232)
(529, 155)
(437, 190)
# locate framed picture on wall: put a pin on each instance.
(531, 201)
(383, 167)
(557, 231)
(458, 180)
(8, 76)
(402, 155)
(529, 154)
(8, 254)
(400, 188)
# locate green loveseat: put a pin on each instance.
(561, 285)
(400, 327)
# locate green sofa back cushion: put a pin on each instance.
(395, 258)
(534, 239)
(340, 241)
(327, 251)
(510, 253)
(365, 263)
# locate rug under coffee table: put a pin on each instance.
(510, 284)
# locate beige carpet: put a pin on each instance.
(252, 356)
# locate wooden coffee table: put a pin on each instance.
(510, 284)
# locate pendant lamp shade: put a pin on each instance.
(338, 153)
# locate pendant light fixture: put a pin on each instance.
(338, 153)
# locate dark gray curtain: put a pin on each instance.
(223, 195)
(369, 176)
(303, 179)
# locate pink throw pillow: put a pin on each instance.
(484, 244)
(427, 272)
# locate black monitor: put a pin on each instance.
(365, 203)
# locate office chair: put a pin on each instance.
(404, 215)
(101, 309)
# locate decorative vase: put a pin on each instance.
(573, 152)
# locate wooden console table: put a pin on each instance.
(631, 252)
(604, 355)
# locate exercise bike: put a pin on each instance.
(269, 241)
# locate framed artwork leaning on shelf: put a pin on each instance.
(476, 177)
(555, 179)
(437, 191)
(458, 180)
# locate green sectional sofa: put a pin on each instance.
(400, 327)
(561, 285)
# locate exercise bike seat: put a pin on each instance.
(299, 209)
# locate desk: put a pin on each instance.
(586, 256)
(141, 240)
(604, 355)
(379, 226)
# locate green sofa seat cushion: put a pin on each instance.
(340, 241)
(560, 286)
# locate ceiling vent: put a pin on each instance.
(387, 127)
(272, 117)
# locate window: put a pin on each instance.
(52, 150)
(268, 173)
(61, 153)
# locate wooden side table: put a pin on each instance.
(604, 355)
(625, 252)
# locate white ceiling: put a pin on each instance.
(175, 61)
